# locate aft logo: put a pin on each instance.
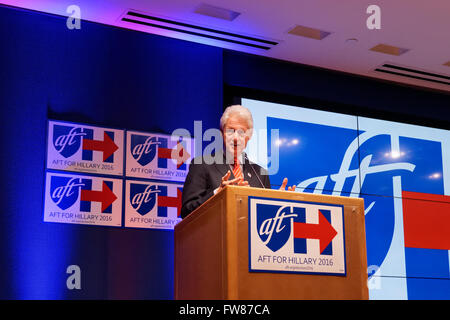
(294, 236)
(152, 205)
(67, 140)
(158, 156)
(82, 199)
(77, 147)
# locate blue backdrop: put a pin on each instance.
(98, 75)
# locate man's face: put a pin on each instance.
(235, 135)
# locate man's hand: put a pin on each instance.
(283, 185)
(237, 181)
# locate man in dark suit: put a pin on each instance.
(230, 167)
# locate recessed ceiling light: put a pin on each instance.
(308, 32)
(388, 49)
(216, 12)
(351, 40)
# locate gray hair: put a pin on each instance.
(238, 110)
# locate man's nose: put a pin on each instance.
(236, 139)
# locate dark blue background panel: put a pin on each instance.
(427, 263)
(97, 75)
(428, 289)
(119, 78)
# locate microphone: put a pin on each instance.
(254, 171)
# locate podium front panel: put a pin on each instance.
(212, 253)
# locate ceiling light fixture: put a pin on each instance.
(308, 32)
(216, 12)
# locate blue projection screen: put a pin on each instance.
(402, 172)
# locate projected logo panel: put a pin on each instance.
(332, 168)
(401, 171)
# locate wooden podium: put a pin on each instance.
(212, 253)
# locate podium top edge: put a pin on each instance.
(249, 191)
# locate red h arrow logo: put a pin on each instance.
(175, 202)
(178, 153)
(323, 231)
(106, 196)
(107, 146)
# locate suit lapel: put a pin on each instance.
(223, 167)
(249, 175)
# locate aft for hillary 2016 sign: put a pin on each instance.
(83, 148)
(81, 199)
(296, 236)
(152, 205)
(158, 156)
